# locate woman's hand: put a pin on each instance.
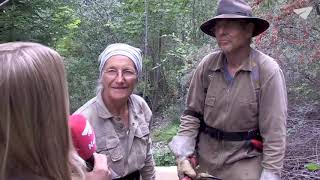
(100, 170)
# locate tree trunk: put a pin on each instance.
(145, 47)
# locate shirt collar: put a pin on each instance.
(218, 63)
(103, 111)
(101, 107)
(247, 64)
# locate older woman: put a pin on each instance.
(119, 118)
(34, 108)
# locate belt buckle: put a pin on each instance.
(250, 134)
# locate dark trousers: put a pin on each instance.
(133, 176)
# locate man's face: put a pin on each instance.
(232, 35)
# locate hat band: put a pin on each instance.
(235, 13)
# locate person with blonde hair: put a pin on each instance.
(34, 108)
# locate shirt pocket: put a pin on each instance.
(110, 147)
(101, 143)
(210, 101)
(248, 112)
(142, 133)
(114, 149)
(210, 109)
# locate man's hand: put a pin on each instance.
(100, 170)
(185, 168)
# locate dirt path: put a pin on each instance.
(303, 144)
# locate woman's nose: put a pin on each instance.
(119, 77)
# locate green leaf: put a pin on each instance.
(312, 166)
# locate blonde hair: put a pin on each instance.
(34, 109)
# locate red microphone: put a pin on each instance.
(83, 138)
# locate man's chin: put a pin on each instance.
(225, 49)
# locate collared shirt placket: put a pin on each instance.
(229, 81)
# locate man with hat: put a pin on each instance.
(236, 110)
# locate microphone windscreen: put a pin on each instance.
(83, 136)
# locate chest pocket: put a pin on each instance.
(216, 88)
(114, 149)
(142, 133)
(215, 85)
(109, 146)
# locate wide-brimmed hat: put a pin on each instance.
(235, 9)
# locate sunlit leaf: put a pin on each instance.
(312, 166)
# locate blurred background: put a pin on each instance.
(168, 33)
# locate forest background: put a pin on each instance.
(168, 33)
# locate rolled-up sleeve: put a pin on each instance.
(195, 102)
(189, 125)
(148, 171)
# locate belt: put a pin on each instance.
(223, 135)
(230, 136)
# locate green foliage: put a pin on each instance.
(80, 30)
(312, 166)
(164, 158)
(66, 16)
(269, 3)
(293, 42)
(165, 134)
(302, 77)
(37, 20)
(131, 22)
(82, 76)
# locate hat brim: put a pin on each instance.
(260, 25)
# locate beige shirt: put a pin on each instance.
(234, 106)
(127, 150)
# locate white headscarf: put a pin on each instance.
(134, 54)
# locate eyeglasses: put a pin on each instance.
(126, 73)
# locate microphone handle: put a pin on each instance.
(90, 163)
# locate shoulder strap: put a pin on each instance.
(255, 75)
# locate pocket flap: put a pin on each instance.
(112, 143)
(142, 131)
(210, 101)
(101, 143)
(115, 154)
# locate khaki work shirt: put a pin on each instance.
(127, 150)
(235, 107)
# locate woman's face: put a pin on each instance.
(119, 78)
